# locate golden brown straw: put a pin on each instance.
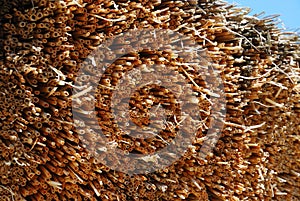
(45, 43)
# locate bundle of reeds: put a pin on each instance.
(42, 155)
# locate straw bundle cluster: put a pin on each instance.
(45, 43)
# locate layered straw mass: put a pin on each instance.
(44, 44)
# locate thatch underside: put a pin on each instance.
(44, 45)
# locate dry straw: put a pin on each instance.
(43, 45)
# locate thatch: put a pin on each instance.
(45, 43)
